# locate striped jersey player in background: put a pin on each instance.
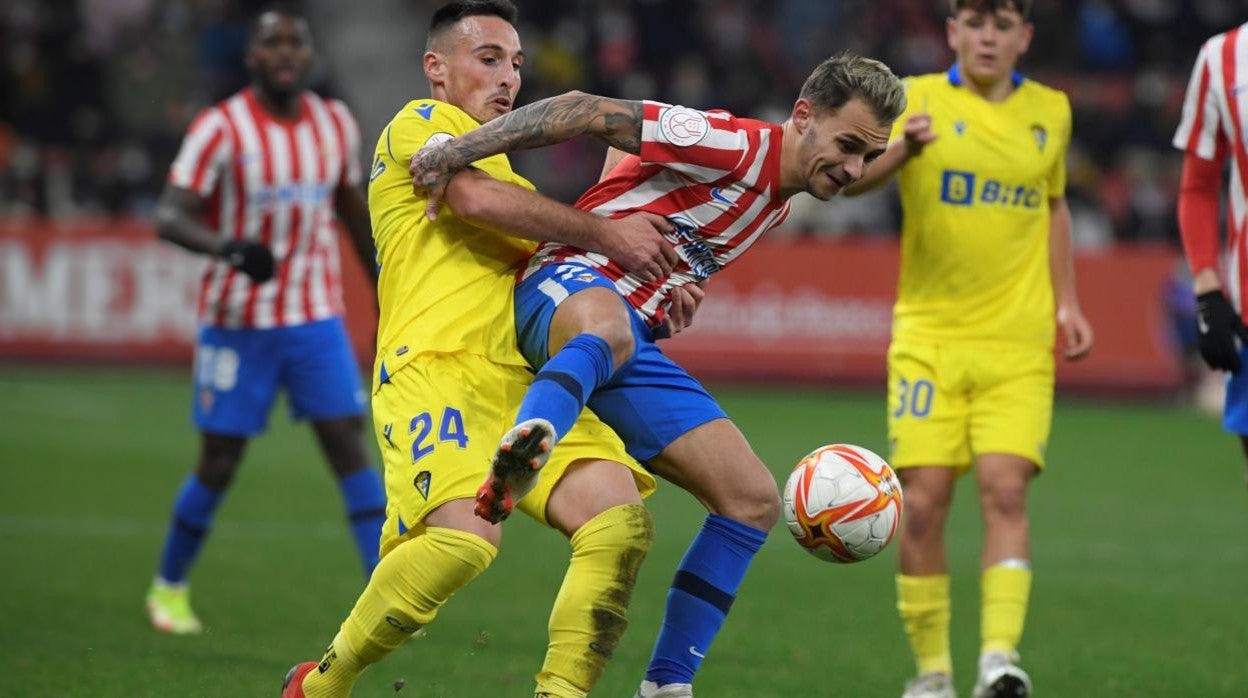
(986, 270)
(1212, 132)
(590, 328)
(256, 186)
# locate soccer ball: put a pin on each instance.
(842, 503)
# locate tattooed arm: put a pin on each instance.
(617, 122)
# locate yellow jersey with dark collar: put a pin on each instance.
(975, 204)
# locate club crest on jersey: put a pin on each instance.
(1041, 135)
(959, 126)
(421, 482)
(682, 126)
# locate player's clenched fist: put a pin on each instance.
(252, 258)
(1220, 326)
(918, 133)
(431, 171)
(636, 242)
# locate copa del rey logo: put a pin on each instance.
(683, 126)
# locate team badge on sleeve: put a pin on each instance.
(682, 126)
(439, 137)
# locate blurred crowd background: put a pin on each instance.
(96, 94)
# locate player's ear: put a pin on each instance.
(801, 114)
(1029, 30)
(435, 67)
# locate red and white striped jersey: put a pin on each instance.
(714, 176)
(1215, 114)
(271, 180)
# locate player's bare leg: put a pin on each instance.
(363, 493)
(923, 580)
(929, 493)
(1006, 583)
(716, 465)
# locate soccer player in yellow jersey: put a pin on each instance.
(986, 269)
(449, 377)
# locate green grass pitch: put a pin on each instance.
(1140, 548)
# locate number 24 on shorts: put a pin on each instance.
(915, 398)
(450, 428)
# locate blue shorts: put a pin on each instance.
(1235, 414)
(238, 374)
(650, 401)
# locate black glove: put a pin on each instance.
(1219, 327)
(252, 258)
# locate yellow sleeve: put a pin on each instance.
(1057, 176)
(421, 123)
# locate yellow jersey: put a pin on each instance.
(975, 213)
(444, 286)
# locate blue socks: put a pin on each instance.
(365, 499)
(362, 493)
(704, 588)
(566, 381)
(192, 517)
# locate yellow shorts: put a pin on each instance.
(949, 402)
(438, 421)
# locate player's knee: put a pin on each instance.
(1007, 500)
(218, 460)
(756, 504)
(626, 531)
(619, 338)
(342, 441)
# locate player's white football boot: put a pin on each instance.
(650, 689)
(169, 609)
(930, 684)
(521, 454)
(1001, 677)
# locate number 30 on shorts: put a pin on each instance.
(450, 428)
(915, 398)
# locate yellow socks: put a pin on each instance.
(1004, 589)
(589, 615)
(924, 606)
(405, 592)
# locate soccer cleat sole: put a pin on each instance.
(292, 685)
(522, 453)
(1008, 686)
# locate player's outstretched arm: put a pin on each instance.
(177, 219)
(352, 210)
(634, 242)
(553, 120)
(918, 133)
(1076, 331)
